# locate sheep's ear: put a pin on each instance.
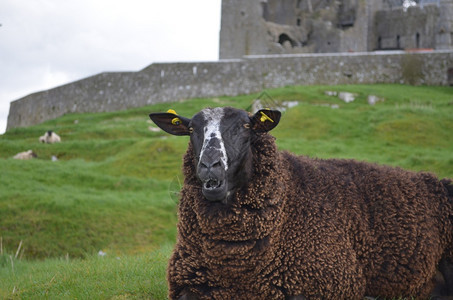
(171, 123)
(265, 120)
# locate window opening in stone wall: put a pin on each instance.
(265, 9)
(346, 15)
(417, 40)
(398, 46)
(450, 76)
(284, 39)
(298, 21)
(379, 43)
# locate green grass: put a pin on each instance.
(124, 277)
(113, 186)
(71, 207)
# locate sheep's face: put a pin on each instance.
(221, 139)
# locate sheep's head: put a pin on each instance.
(221, 139)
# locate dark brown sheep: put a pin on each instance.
(256, 223)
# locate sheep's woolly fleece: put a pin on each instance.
(50, 137)
(324, 229)
(26, 155)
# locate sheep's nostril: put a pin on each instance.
(216, 165)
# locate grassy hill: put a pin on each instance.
(114, 186)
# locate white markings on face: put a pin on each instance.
(213, 117)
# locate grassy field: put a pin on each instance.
(113, 188)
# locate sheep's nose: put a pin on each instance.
(209, 165)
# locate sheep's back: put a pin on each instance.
(396, 220)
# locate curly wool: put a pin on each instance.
(324, 229)
(209, 235)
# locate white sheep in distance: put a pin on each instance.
(26, 155)
(50, 137)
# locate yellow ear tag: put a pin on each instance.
(265, 117)
(174, 121)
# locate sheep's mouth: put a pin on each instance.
(214, 189)
(212, 184)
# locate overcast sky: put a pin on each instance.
(46, 43)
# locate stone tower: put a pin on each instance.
(444, 37)
(242, 29)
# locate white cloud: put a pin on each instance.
(46, 43)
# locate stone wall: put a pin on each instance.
(175, 81)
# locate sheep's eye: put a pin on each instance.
(247, 125)
(190, 130)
